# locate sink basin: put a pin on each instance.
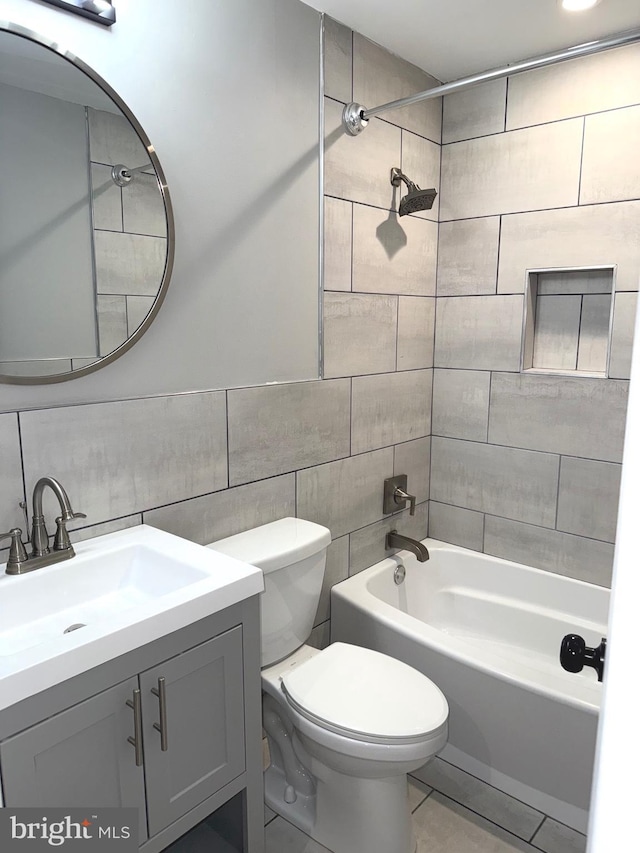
(120, 591)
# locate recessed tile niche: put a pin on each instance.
(568, 320)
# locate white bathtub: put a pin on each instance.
(487, 631)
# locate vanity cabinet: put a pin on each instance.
(203, 720)
(80, 756)
(197, 715)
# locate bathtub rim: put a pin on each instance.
(354, 590)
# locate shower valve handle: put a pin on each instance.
(396, 495)
(575, 654)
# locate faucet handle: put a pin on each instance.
(69, 516)
(61, 540)
(400, 497)
(17, 552)
(396, 495)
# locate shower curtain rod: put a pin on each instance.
(355, 117)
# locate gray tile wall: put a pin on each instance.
(130, 230)
(541, 173)
(208, 465)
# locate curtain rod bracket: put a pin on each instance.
(353, 119)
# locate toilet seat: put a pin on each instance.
(367, 696)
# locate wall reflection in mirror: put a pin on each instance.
(84, 219)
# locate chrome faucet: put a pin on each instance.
(397, 540)
(19, 561)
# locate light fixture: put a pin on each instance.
(100, 11)
(577, 5)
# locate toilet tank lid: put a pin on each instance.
(276, 545)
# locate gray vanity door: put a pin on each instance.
(203, 722)
(80, 757)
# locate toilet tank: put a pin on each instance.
(292, 553)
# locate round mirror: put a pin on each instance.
(86, 227)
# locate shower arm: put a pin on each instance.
(122, 175)
(355, 117)
(397, 176)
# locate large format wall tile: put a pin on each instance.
(624, 320)
(338, 60)
(393, 255)
(575, 416)
(12, 490)
(575, 237)
(113, 140)
(357, 168)
(106, 198)
(137, 309)
(111, 312)
(478, 111)
(463, 527)
(347, 494)
(390, 408)
(129, 263)
(413, 459)
(461, 404)
(143, 210)
(380, 77)
(359, 333)
(81, 534)
(278, 428)
(468, 256)
(337, 244)
(367, 545)
(479, 332)
(574, 556)
(610, 165)
(588, 498)
(557, 329)
(215, 516)
(591, 84)
(517, 484)
(155, 451)
(416, 328)
(421, 164)
(511, 172)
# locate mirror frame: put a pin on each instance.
(103, 361)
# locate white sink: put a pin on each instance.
(124, 589)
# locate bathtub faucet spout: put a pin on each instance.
(397, 540)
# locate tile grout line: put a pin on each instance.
(479, 814)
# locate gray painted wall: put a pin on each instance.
(228, 94)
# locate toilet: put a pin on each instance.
(344, 725)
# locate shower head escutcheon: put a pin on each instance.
(416, 200)
(122, 176)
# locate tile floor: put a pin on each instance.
(455, 813)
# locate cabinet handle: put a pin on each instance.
(137, 725)
(161, 693)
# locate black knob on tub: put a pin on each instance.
(575, 654)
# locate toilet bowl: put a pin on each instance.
(344, 724)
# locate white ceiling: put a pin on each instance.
(454, 38)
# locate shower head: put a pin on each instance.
(416, 199)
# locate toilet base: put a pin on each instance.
(348, 814)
